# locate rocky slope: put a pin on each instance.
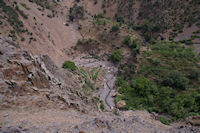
(33, 99)
(32, 80)
(37, 95)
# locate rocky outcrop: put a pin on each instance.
(24, 77)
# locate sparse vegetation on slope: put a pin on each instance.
(12, 17)
(159, 16)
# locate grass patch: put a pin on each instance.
(69, 65)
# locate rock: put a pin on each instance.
(195, 120)
(35, 88)
(121, 104)
(115, 94)
(5, 115)
(154, 115)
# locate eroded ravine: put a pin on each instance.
(107, 89)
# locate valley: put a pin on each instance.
(99, 66)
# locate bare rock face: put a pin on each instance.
(27, 80)
(121, 104)
(19, 73)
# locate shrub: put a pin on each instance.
(76, 12)
(164, 120)
(116, 56)
(100, 15)
(25, 6)
(69, 65)
(194, 74)
(95, 2)
(25, 16)
(144, 87)
(135, 43)
(102, 106)
(176, 80)
(127, 40)
(22, 39)
(114, 28)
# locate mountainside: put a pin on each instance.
(82, 66)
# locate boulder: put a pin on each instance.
(195, 120)
(121, 104)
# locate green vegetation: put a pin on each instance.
(116, 56)
(89, 78)
(133, 45)
(76, 12)
(43, 3)
(167, 81)
(102, 106)
(84, 41)
(114, 28)
(100, 15)
(95, 2)
(12, 17)
(94, 75)
(164, 120)
(116, 112)
(25, 16)
(69, 65)
(127, 40)
(176, 80)
(25, 6)
(158, 16)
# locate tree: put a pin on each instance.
(176, 80)
(127, 40)
(116, 56)
(144, 87)
(69, 65)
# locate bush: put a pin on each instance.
(102, 106)
(127, 40)
(114, 28)
(76, 12)
(144, 87)
(164, 120)
(25, 6)
(100, 15)
(69, 65)
(195, 74)
(176, 80)
(116, 56)
(95, 2)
